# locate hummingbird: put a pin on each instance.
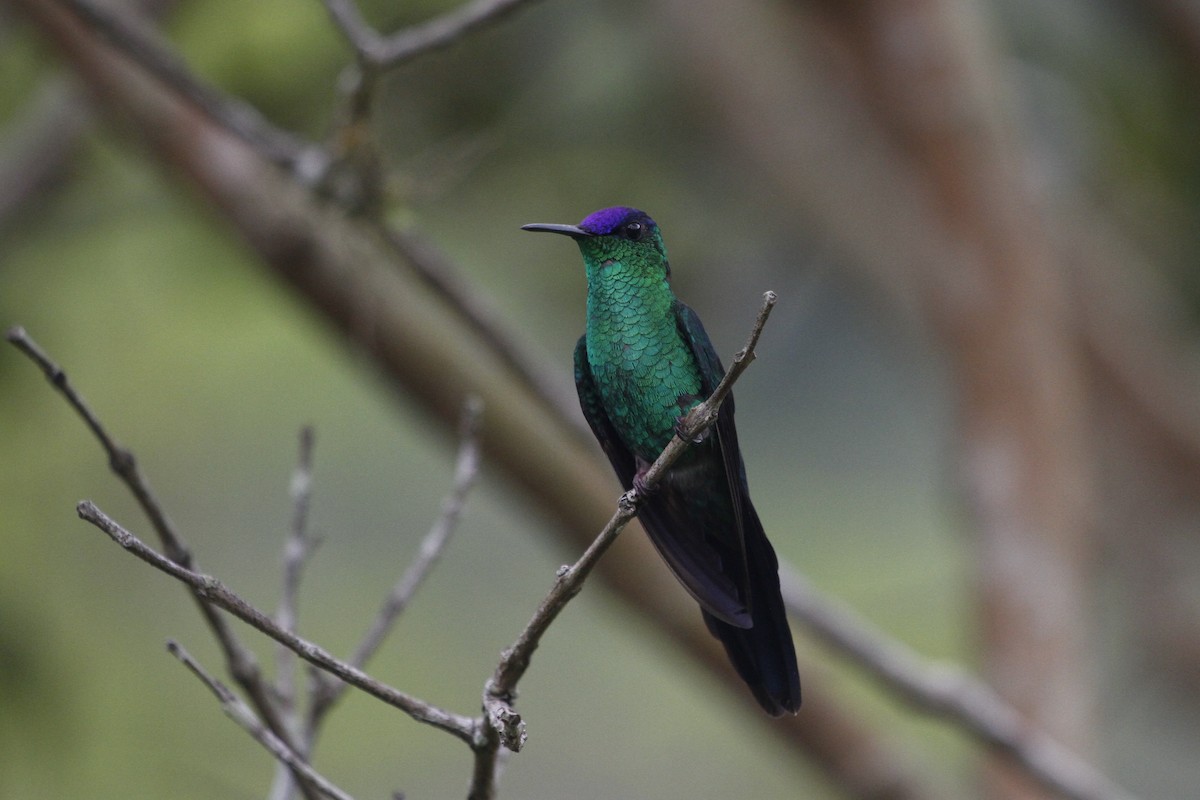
(642, 364)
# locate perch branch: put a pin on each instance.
(502, 724)
(240, 713)
(216, 593)
(570, 580)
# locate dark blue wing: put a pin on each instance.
(711, 372)
(762, 653)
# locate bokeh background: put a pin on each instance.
(770, 147)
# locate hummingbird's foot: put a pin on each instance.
(639, 480)
(682, 434)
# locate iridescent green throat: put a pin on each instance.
(643, 369)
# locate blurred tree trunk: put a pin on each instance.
(999, 307)
(888, 122)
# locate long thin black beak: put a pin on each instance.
(574, 231)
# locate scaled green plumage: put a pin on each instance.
(643, 369)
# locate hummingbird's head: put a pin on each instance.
(617, 235)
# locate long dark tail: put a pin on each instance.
(762, 654)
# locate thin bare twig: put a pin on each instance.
(326, 690)
(353, 171)
(216, 593)
(349, 20)
(502, 724)
(380, 52)
(296, 551)
(240, 713)
(466, 470)
(241, 662)
(443, 31)
(946, 691)
(121, 460)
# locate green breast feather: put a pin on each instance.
(645, 373)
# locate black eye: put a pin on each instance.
(634, 231)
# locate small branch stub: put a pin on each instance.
(508, 724)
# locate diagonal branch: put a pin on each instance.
(121, 460)
(313, 165)
(216, 593)
(570, 580)
(503, 725)
(240, 713)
